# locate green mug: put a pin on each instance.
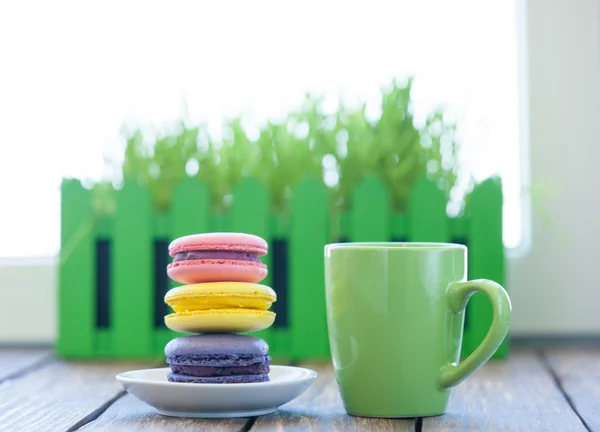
(395, 315)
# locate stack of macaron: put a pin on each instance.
(220, 297)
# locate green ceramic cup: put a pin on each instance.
(395, 314)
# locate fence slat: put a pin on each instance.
(76, 302)
(279, 225)
(250, 214)
(370, 212)
(190, 214)
(308, 236)
(190, 209)
(486, 259)
(161, 225)
(132, 287)
(460, 228)
(399, 227)
(427, 217)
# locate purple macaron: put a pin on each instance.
(218, 358)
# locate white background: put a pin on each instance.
(73, 74)
(79, 108)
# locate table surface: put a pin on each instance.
(553, 389)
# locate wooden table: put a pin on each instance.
(555, 389)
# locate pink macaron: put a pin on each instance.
(217, 257)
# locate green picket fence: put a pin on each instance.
(113, 271)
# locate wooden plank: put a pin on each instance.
(486, 260)
(130, 414)
(370, 212)
(17, 361)
(517, 394)
(578, 371)
(132, 288)
(308, 236)
(321, 408)
(250, 214)
(76, 311)
(58, 395)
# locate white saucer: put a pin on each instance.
(217, 400)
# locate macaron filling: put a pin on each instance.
(192, 255)
(218, 361)
(229, 379)
(209, 371)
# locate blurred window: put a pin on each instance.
(71, 74)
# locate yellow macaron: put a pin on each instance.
(220, 307)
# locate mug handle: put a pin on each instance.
(459, 294)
